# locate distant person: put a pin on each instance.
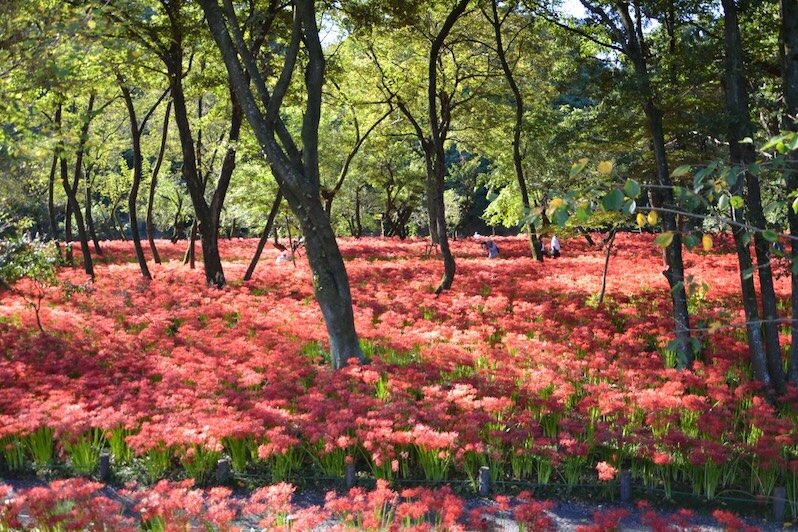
(555, 247)
(541, 245)
(491, 247)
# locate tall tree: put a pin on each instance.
(623, 22)
(789, 34)
(742, 157)
(297, 171)
(497, 21)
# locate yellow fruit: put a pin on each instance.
(706, 241)
(556, 203)
(652, 218)
(641, 219)
(605, 167)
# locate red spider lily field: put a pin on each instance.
(518, 368)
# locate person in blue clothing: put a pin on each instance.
(491, 247)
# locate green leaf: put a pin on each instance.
(632, 188)
(747, 140)
(691, 240)
(795, 205)
(769, 235)
(613, 201)
(794, 266)
(578, 167)
(754, 169)
(681, 170)
(772, 142)
(491, 195)
(582, 213)
(748, 273)
(629, 206)
(560, 216)
(664, 240)
(723, 202)
(737, 202)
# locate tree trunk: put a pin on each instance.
(154, 183)
(68, 257)
(70, 189)
(789, 32)
(264, 236)
(88, 214)
(529, 227)
(609, 241)
(756, 345)
(51, 195)
(297, 172)
(88, 266)
(634, 48)
(742, 155)
(330, 282)
(115, 220)
(138, 170)
(210, 235)
(190, 255)
(214, 274)
(358, 224)
(439, 127)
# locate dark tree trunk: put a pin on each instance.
(190, 255)
(358, 224)
(634, 49)
(214, 274)
(88, 214)
(789, 32)
(296, 171)
(756, 344)
(210, 234)
(154, 183)
(115, 220)
(138, 170)
(88, 265)
(529, 227)
(51, 195)
(68, 257)
(439, 128)
(742, 155)
(264, 236)
(70, 189)
(608, 242)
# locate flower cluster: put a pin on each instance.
(517, 368)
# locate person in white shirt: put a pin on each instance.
(555, 247)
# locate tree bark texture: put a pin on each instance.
(150, 227)
(132, 203)
(297, 171)
(529, 227)
(264, 236)
(742, 155)
(633, 48)
(789, 32)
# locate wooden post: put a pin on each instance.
(105, 466)
(223, 471)
(349, 476)
(626, 485)
(484, 481)
(779, 505)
